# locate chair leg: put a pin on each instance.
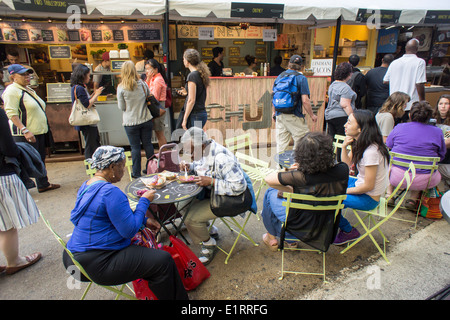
(86, 291)
(368, 233)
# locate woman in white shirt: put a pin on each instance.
(393, 107)
(137, 119)
(371, 157)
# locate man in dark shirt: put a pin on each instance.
(377, 91)
(277, 69)
(216, 65)
(357, 82)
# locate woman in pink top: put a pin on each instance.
(158, 87)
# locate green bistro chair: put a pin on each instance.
(118, 291)
(382, 212)
(331, 204)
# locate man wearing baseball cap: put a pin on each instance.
(26, 112)
(105, 81)
(293, 124)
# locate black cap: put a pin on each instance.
(296, 59)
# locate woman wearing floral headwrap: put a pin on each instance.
(104, 226)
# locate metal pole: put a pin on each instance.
(336, 45)
(169, 79)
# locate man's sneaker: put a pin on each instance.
(344, 237)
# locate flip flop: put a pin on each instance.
(31, 259)
(272, 244)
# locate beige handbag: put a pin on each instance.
(82, 116)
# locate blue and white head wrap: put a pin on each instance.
(104, 156)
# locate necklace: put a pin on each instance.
(100, 177)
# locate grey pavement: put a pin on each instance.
(420, 259)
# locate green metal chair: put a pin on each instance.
(118, 291)
(432, 166)
(382, 212)
(326, 206)
(242, 141)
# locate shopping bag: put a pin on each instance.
(144, 238)
(142, 291)
(82, 116)
(430, 204)
(191, 270)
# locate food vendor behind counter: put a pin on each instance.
(105, 81)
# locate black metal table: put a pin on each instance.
(171, 194)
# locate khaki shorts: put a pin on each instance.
(289, 126)
(158, 123)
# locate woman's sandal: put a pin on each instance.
(31, 259)
(411, 204)
(272, 244)
(207, 252)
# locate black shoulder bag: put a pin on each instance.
(229, 206)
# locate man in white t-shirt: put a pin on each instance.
(408, 74)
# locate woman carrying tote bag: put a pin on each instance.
(81, 76)
(137, 119)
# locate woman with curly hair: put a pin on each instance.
(341, 100)
(194, 111)
(315, 173)
(416, 138)
(393, 107)
(371, 158)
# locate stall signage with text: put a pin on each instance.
(59, 6)
(221, 32)
(57, 33)
(256, 10)
(385, 16)
(322, 67)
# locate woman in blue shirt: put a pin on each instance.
(104, 225)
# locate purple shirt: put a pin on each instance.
(417, 139)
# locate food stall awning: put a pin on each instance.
(281, 11)
(113, 8)
(401, 11)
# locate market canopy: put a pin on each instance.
(263, 11)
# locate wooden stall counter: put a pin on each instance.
(237, 105)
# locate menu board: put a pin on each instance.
(58, 92)
(58, 33)
(234, 51)
(60, 52)
(117, 64)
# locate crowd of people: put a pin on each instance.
(396, 117)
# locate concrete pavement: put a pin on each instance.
(420, 259)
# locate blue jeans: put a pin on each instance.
(358, 202)
(273, 213)
(137, 134)
(197, 119)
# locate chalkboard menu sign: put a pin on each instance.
(47, 35)
(22, 35)
(58, 92)
(60, 52)
(118, 35)
(74, 35)
(234, 51)
(144, 35)
(117, 64)
(96, 35)
(207, 52)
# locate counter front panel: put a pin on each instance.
(239, 105)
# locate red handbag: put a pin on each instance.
(144, 238)
(191, 270)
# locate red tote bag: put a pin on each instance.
(144, 238)
(191, 270)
